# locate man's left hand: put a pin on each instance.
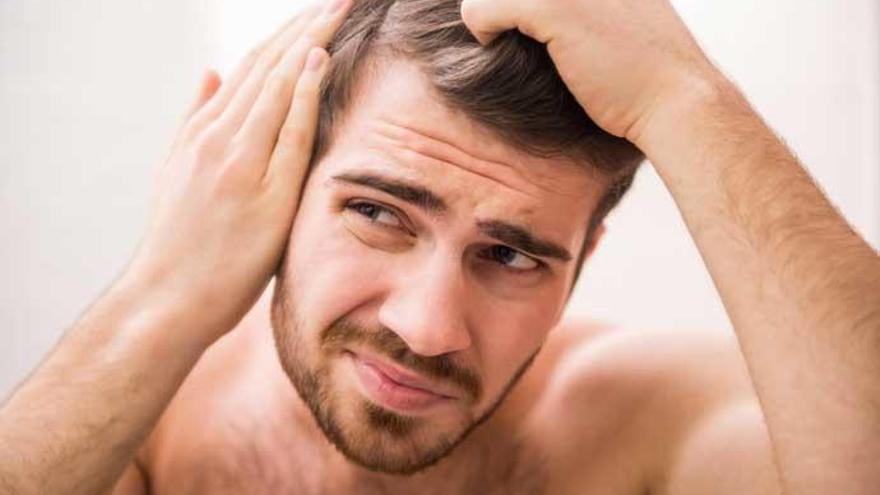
(621, 59)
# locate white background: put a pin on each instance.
(92, 91)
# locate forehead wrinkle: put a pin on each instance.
(445, 152)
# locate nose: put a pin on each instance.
(425, 308)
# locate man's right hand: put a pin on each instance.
(226, 197)
(225, 201)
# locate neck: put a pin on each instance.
(332, 472)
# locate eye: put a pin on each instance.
(376, 214)
(511, 258)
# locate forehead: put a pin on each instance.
(397, 125)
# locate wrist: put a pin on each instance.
(683, 118)
(147, 303)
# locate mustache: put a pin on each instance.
(384, 341)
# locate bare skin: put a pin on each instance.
(230, 185)
(605, 411)
(600, 411)
(800, 286)
(583, 419)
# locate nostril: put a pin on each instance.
(425, 313)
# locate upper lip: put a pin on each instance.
(403, 376)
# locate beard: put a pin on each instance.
(365, 433)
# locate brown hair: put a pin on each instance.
(511, 87)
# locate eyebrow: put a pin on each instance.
(515, 236)
(523, 240)
(410, 193)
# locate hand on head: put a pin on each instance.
(621, 59)
(227, 194)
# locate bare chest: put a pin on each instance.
(507, 467)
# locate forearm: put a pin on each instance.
(801, 288)
(77, 421)
(222, 216)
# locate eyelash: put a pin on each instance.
(355, 205)
(492, 250)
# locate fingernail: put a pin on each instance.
(333, 6)
(316, 58)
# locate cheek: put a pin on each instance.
(329, 272)
(509, 334)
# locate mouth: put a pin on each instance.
(395, 388)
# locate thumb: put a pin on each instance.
(210, 83)
(486, 19)
(208, 86)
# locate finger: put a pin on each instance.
(210, 82)
(208, 86)
(261, 126)
(318, 32)
(243, 100)
(293, 151)
(486, 19)
(242, 69)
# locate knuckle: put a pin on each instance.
(313, 12)
(307, 16)
(470, 12)
(210, 138)
(191, 130)
(304, 43)
(230, 182)
(307, 40)
(239, 156)
(205, 146)
(315, 30)
(307, 88)
(254, 53)
(278, 82)
(266, 61)
(292, 135)
(267, 58)
(313, 9)
(236, 168)
(252, 56)
(199, 121)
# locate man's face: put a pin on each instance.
(426, 266)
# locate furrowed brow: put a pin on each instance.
(410, 193)
(520, 238)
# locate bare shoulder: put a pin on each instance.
(648, 364)
(641, 410)
(220, 416)
(704, 365)
(197, 425)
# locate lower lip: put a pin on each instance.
(386, 392)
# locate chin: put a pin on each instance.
(370, 428)
(372, 436)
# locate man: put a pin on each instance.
(416, 312)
